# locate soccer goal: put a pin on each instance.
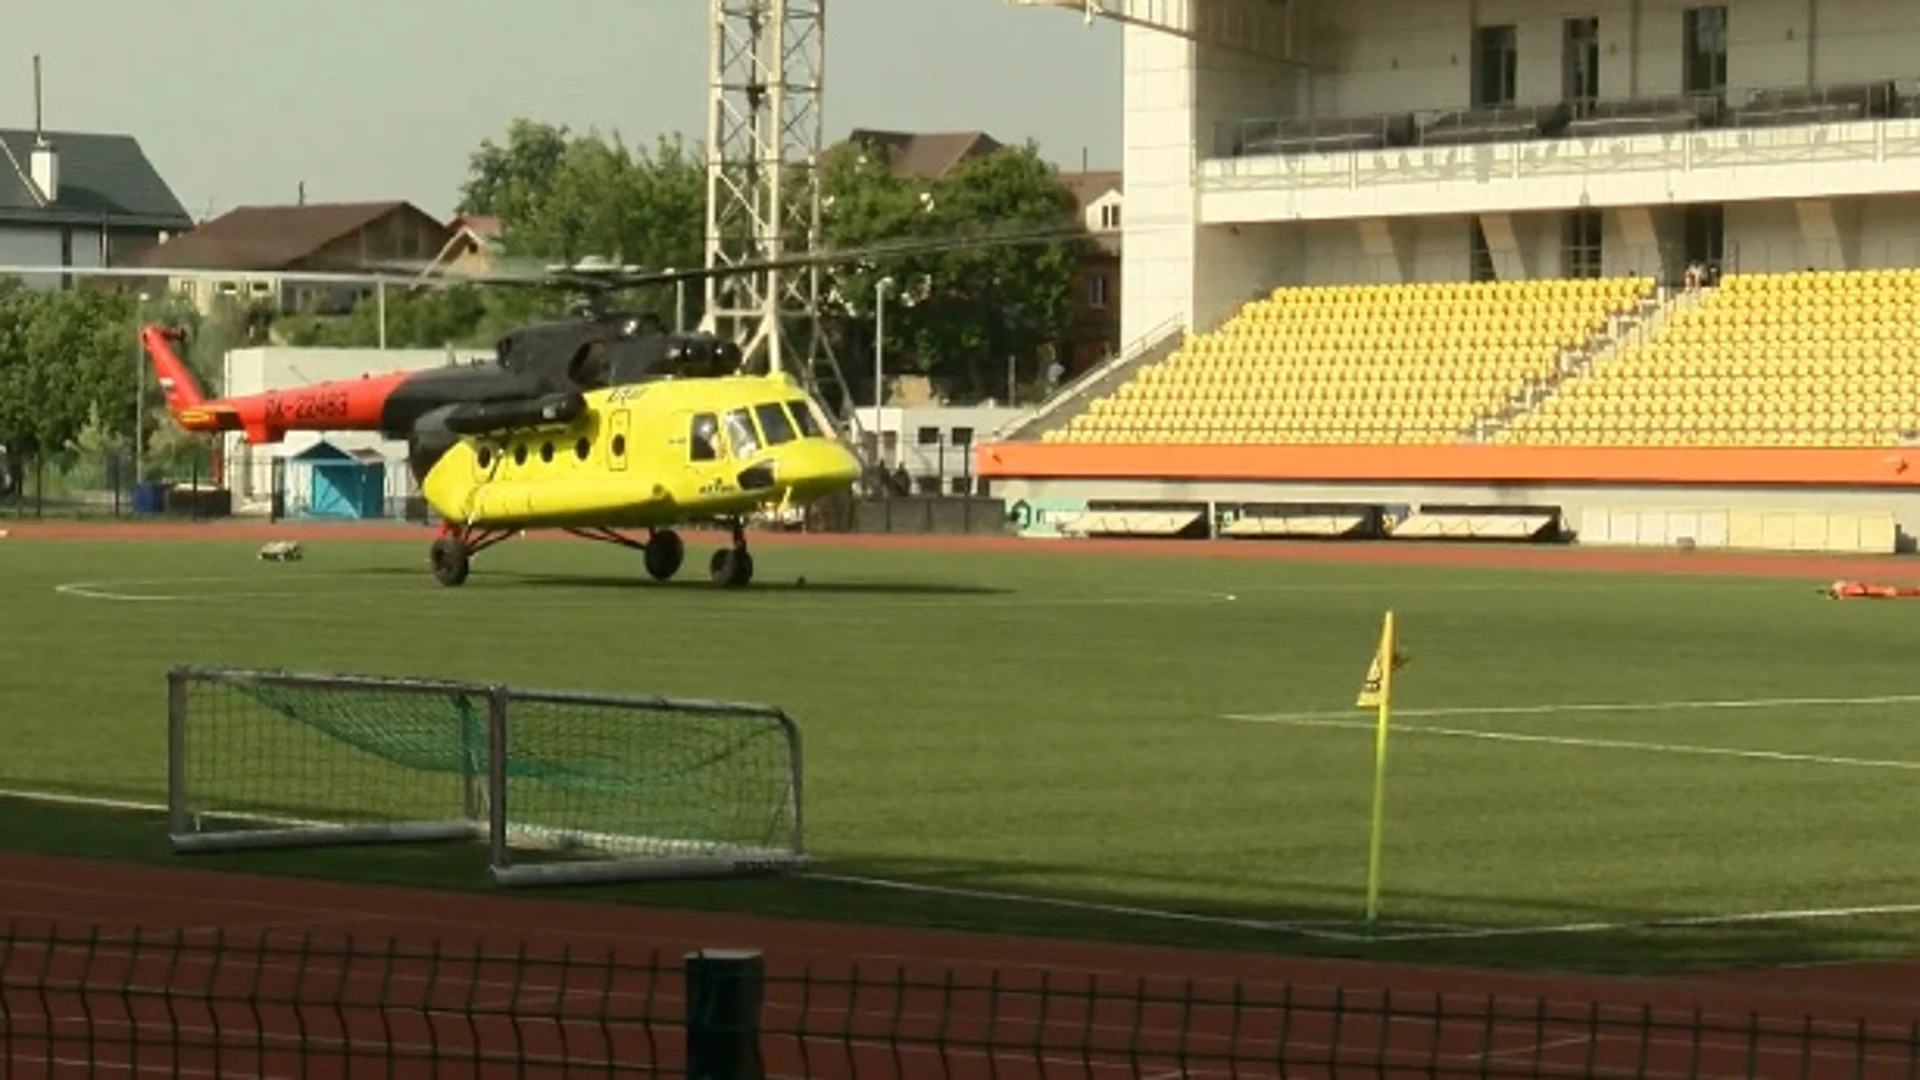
(564, 787)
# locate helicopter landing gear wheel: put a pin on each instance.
(664, 554)
(732, 567)
(450, 561)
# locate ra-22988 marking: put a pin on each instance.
(322, 405)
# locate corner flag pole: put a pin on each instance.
(1377, 693)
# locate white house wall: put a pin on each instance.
(31, 246)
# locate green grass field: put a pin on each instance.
(1109, 730)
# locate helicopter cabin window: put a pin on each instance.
(740, 434)
(701, 444)
(803, 419)
(774, 423)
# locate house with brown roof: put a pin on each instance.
(1094, 332)
(473, 248)
(262, 249)
(926, 155)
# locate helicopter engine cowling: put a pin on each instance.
(485, 418)
(429, 441)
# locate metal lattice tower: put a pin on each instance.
(767, 61)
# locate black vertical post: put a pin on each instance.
(724, 989)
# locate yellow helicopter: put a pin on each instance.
(641, 455)
(590, 425)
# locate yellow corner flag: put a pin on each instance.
(1377, 693)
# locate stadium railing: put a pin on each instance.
(224, 1003)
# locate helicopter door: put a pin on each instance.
(617, 441)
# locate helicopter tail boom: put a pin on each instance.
(182, 391)
(339, 405)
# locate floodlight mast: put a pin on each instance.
(765, 132)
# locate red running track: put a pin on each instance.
(237, 974)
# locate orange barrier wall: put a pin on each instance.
(1458, 463)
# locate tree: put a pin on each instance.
(502, 178)
(646, 207)
(962, 315)
(65, 357)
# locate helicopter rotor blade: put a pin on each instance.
(587, 276)
(599, 276)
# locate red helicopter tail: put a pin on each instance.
(185, 400)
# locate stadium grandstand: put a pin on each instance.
(1616, 271)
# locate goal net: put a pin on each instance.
(564, 787)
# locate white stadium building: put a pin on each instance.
(1648, 267)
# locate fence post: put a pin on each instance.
(724, 990)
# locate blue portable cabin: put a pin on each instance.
(343, 484)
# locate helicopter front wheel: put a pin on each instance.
(663, 554)
(731, 567)
(450, 561)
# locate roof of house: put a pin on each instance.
(478, 224)
(268, 237)
(1089, 187)
(102, 177)
(928, 155)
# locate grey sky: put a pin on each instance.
(239, 101)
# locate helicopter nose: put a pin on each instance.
(814, 468)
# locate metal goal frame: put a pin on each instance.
(482, 790)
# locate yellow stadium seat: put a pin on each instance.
(1417, 363)
(1802, 359)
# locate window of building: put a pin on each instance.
(1097, 291)
(1110, 216)
(1583, 245)
(1703, 49)
(1581, 64)
(1706, 234)
(1496, 66)
(1480, 257)
(929, 436)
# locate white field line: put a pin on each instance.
(1676, 922)
(1309, 928)
(1347, 720)
(1569, 708)
(1596, 744)
(1313, 929)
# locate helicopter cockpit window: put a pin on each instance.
(740, 434)
(701, 440)
(591, 369)
(803, 419)
(774, 423)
